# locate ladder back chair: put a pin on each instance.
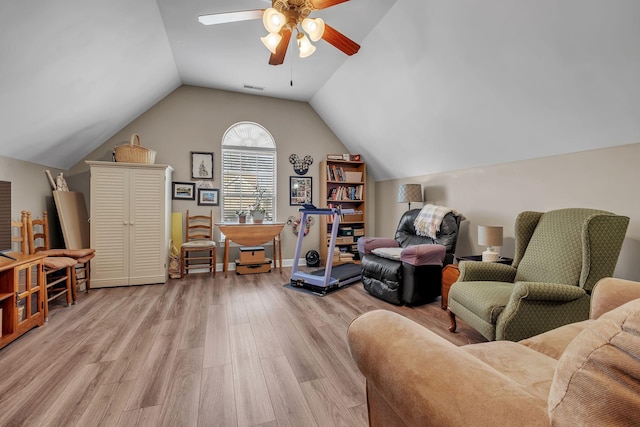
(199, 248)
(83, 257)
(59, 271)
(19, 235)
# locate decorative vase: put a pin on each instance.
(258, 217)
(242, 219)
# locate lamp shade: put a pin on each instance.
(273, 20)
(271, 41)
(489, 235)
(305, 46)
(409, 193)
(313, 27)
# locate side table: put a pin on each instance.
(502, 260)
(451, 273)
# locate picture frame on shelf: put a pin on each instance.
(300, 191)
(208, 197)
(201, 165)
(183, 190)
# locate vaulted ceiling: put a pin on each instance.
(437, 85)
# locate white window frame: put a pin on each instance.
(249, 159)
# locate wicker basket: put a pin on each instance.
(132, 153)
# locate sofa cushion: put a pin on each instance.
(484, 299)
(554, 342)
(598, 376)
(199, 244)
(58, 262)
(527, 367)
(388, 253)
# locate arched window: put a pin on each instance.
(248, 166)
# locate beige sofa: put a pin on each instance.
(585, 373)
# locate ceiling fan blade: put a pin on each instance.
(339, 40)
(223, 18)
(323, 4)
(278, 57)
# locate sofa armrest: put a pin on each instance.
(427, 380)
(367, 244)
(473, 271)
(535, 308)
(610, 293)
(423, 254)
(537, 291)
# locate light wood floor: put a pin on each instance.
(241, 351)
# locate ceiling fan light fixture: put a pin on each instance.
(273, 20)
(313, 27)
(305, 46)
(271, 41)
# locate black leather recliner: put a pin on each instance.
(414, 275)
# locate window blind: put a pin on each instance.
(243, 171)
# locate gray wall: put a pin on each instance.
(195, 119)
(494, 195)
(30, 191)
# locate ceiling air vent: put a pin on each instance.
(252, 87)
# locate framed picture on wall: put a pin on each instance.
(208, 196)
(201, 165)
(299, 190)
(183, 190)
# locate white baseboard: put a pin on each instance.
(232, 266)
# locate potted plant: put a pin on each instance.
(257, 210)
(242, 216)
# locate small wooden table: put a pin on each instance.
(451, 273)
(250, 234)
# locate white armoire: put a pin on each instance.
(130, 220)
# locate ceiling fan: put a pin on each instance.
(282, 18)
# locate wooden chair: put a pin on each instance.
(83, 258)
(19, 235)
(59, 271)
(198, 240)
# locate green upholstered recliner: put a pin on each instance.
(559, 257)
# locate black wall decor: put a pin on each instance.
(300, 166)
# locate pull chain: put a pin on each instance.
(291, 50)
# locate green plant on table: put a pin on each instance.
(259, 198)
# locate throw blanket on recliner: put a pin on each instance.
(428, 221)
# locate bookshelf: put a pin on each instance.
(343, 183)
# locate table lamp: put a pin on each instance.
(490, 236)
(408, 193)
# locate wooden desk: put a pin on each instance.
(250, 234)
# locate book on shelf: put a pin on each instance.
(339, 174)
(342, 192)
(335, 173)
